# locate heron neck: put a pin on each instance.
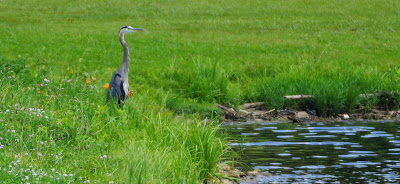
(125, 60)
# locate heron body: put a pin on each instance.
(119, 86)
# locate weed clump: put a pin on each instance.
(206, 82)
(388, 100)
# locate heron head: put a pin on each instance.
(129, 29)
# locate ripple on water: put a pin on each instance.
(284, 136)
(250, 133)
(340, 130)
(298, 178)
(393, 166)
(360, 164)
(266, 168)
(319, 136)
(266, 128)
(311, 167)
(329, 151)
(319, 156)
(376, 135)
(279, 143)
(357, 155)
(284, 131)
(395, 142)
(284, 154)
(307, 133)
(362, 152)
(394, 149)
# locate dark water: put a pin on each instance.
(350, 152)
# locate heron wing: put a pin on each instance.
(116, 88)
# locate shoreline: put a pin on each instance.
(256, 112)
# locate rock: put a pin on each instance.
(229, 113)
(256, 105)
(230, 171)
(344, 116)
(258, 172)
(300, 116)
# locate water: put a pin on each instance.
(349, 152)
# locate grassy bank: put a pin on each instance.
(61, 130)
(192, 55)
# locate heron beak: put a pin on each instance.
(137, 29)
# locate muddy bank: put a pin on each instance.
(258, 112)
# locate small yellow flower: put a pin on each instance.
(105, 86)
(88, 81)
(130, 93)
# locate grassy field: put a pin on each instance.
(56, 55)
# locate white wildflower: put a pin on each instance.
(46, 80)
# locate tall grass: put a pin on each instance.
(204, 81)
(52, 131)
(194, 147)
(334, 92)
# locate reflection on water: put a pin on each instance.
(350, 152)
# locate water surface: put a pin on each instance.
(347, 152)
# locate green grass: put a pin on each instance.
(193, 54)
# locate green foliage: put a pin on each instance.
(206, 82)
(388, 100)
(56, 132)
(191, 106)
(193, 54)
(195, 152)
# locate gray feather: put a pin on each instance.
(116, 89)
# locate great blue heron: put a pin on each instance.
(119, 86)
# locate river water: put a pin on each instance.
(346, 152)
